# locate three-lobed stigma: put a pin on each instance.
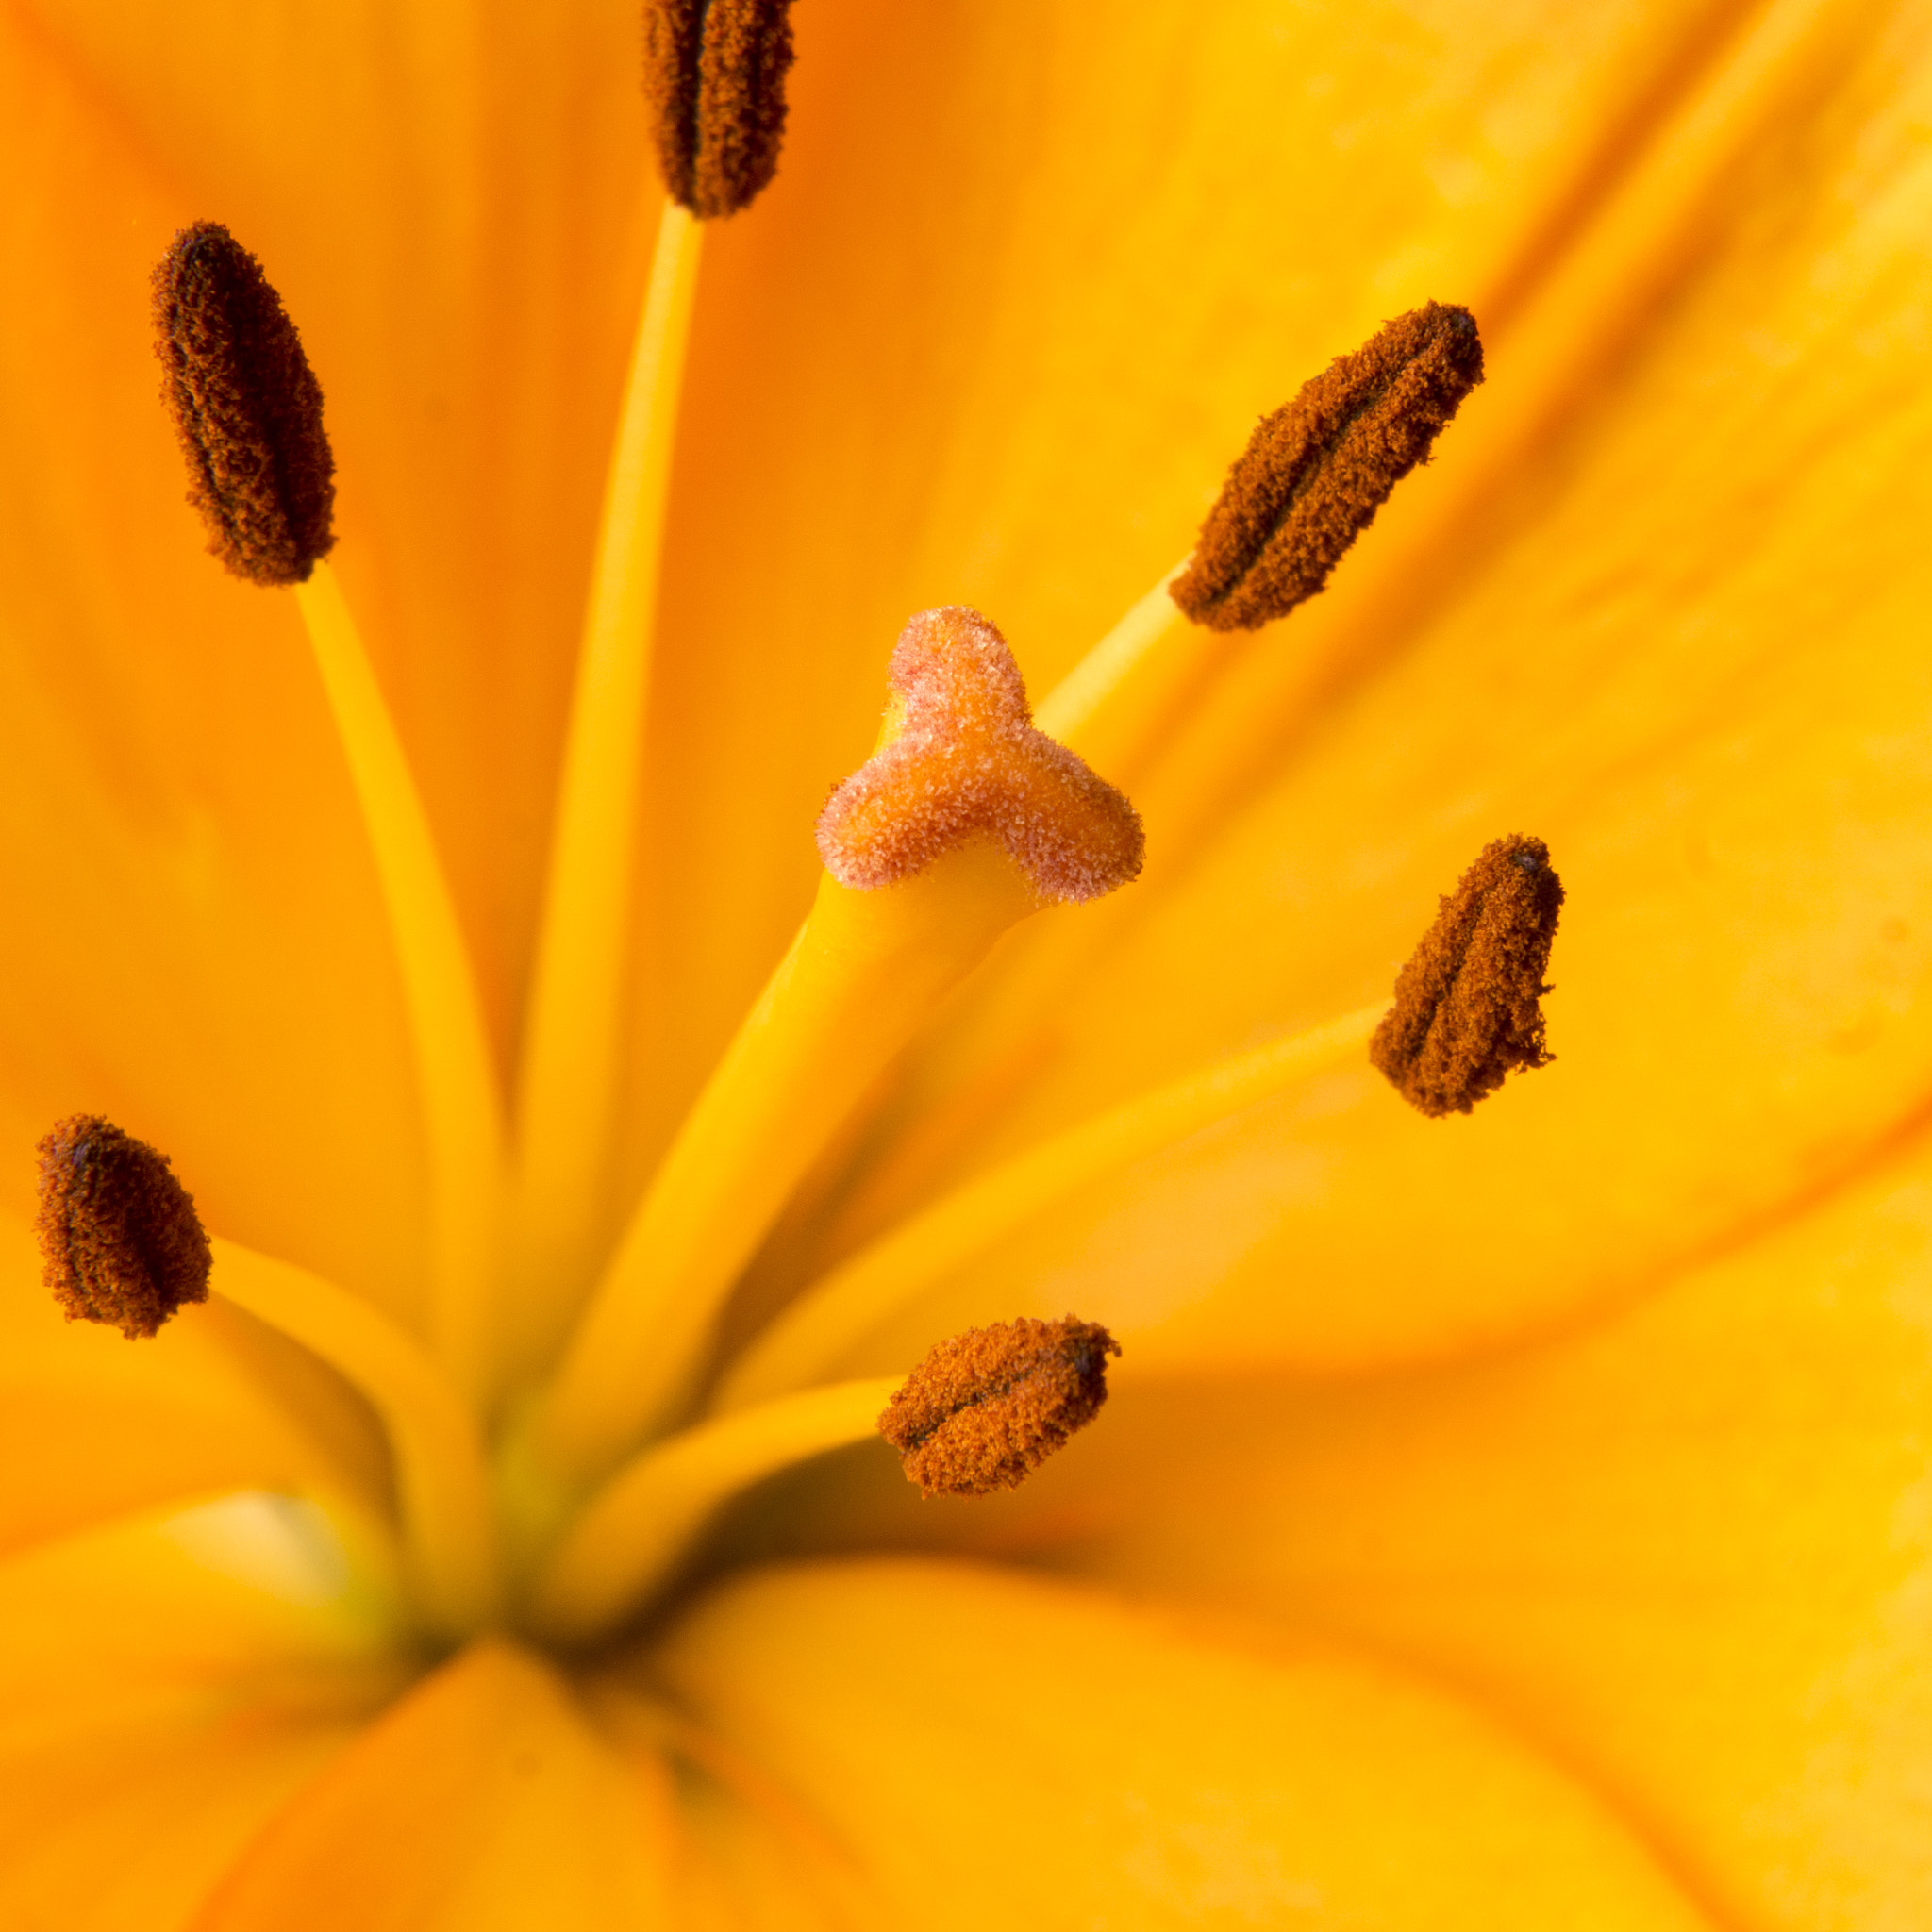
(1315, 473)
(985, 1409)
(246, 407)
(1467, 1004)
(715, 79)
(966, 759)
(120, 1241)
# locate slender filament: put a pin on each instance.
(1123, 697)
(448, 1516)
(566, 1088)
(463, 1115)
(831, 1318)
(638, 1525)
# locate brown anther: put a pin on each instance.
(966, 759)
(1315, 473)
(985, 1409)
(246, 407)
(714, 79)
(1467, 1009)
(120, 1241)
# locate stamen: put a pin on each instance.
(246, 407)
(1316, 471)
(715, 76)
(443, 1485)
(1467, 1009)
(963, 758)
(985, 1409)
(120, 1240)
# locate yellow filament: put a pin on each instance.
(1124, 696)
(864, 971)
(643, 1519)
(567, 1082)
(822, 1327)
(448, 1518)
(461, 1113)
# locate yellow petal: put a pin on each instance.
(93, 1426)
(163, 1687)
(985, 1747)
(481, 1801)
(1688, 1546)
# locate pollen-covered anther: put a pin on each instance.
(246, 407)
(1315, 473)
(120, 1241)
(985, 1409)
(966, 761)
(1467, 1004)
(714, 79)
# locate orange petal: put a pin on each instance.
(163, 1687)
(984, 1745)
(481, 1801)
(1688, 1546)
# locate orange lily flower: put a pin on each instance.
(1511, 1521)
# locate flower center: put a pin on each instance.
(561, 1429)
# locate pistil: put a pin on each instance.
(990, 825)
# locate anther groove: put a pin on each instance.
(1315, 473)
(246, 407)
(714, 79)
(967, 760)
(985, 1409)
(1467, 1010)
(120, 1241)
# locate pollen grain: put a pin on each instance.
(120, 1241)
(1467, 1004)
(246, 407)
(985, 1409)
(715, 79)
(1315, 472)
